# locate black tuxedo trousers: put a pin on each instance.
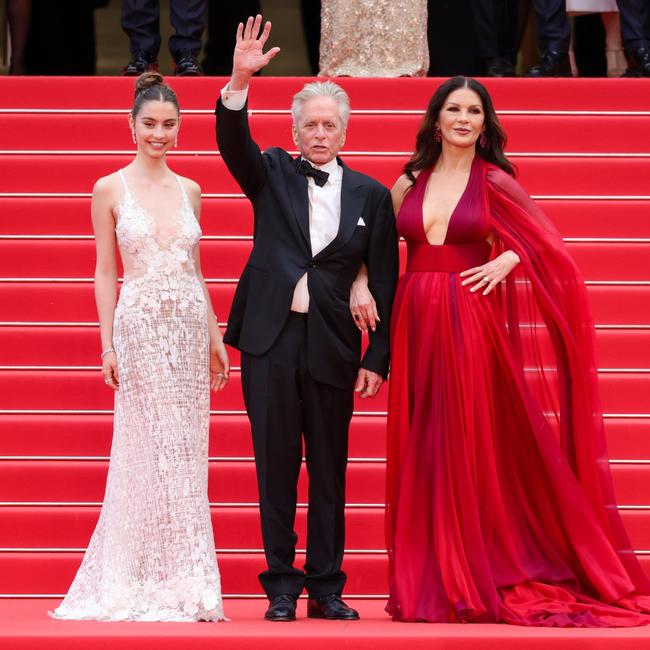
(284, 403)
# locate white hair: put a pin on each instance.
(322, 89)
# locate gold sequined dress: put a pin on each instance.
(373, 38)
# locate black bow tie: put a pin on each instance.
(306, 169)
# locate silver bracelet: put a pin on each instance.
(107, 351)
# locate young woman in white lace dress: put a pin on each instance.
(152, 555)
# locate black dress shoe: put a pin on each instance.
(140, 62)
(281, 608)
(332, 608)
(499, 67)
(638, 62)
(187, 65)
(553, 64)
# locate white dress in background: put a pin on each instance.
(591, 6)
(152, 555)
(374, 38)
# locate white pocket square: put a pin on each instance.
(361, 222)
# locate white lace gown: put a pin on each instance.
(152, 555)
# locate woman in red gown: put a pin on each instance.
(500, 506)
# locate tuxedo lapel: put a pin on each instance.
(297, 190)
(353, 199)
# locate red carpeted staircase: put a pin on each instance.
(583, 150)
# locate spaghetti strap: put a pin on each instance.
(185, 197)
(123, 179)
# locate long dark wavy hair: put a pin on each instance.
(427, 150)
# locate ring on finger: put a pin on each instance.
(107, 381)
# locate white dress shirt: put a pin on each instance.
(324, 204)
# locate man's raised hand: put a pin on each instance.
(249, 56)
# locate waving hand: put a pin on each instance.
(249, 56)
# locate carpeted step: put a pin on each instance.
(366, 93)
(60, 258)
(70, 527)
(391, 132)
(622, 392)
(233, 217)
(52, 573)
(539, 175)
(90, 435)
(82, 481)
(73, 302)
(79, 346)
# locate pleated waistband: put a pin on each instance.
(447, 258)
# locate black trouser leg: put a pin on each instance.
(223, 18)
(310, 10)
(485, 25)
(635, 23)
(553, 31)
(141, 22)
(327, 412)
(188, 19)
(273, 401)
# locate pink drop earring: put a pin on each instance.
(483, 141)
(437, 135)
(133, 136)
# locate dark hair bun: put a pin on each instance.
(147, 80)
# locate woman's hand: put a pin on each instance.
(489, 275)
(110, 372)
(219, 365)
(362, 305)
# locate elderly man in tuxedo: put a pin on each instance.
(316, 222)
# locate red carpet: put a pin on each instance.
(24, 626)
(582, 148)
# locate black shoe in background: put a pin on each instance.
(332, 608)
(281, 608)
(553, 64)
(187, 65)
(140, 62)
(638, 62)
(499, 67)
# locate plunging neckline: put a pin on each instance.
(176, 220)
(453, 212)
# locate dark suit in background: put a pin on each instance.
(635, 23)
(141, 22)
(553, 31)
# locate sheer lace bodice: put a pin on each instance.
(157, 269)
(152, 555)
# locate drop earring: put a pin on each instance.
(133, 136)
(176, 143)
(483, 141)
(437, 135)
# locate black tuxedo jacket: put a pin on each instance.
(282, 254)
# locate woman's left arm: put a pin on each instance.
(219, 362)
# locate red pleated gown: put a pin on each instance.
(500, 506)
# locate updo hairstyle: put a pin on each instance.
(149, 86)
